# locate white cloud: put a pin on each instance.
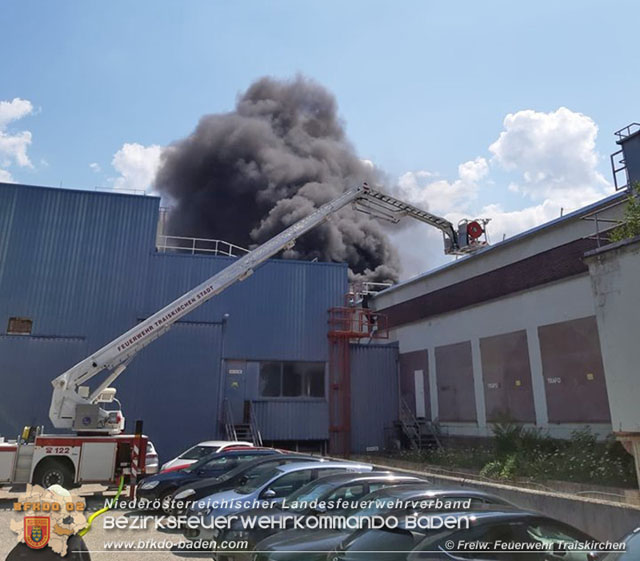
(554, 160)
(95, 167)
(421, 246)
(137, 166)
(13, 145)
(505, 224)
(14, 110)
(474, 170)
(554, 154)
(5, 176)
(441, 196)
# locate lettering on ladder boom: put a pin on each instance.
(164, 319)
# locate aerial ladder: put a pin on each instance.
(77, 407)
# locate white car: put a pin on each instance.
(151, 462)
(193, 454)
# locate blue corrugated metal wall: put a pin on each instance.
(374, 394)
(83, 266)
(280, 312)
(294, 420)
(173, 385)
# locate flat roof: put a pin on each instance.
(94, 191)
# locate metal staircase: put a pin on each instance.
(246, 431)
(420, 433)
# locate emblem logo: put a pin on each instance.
(36, 531)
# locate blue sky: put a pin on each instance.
(422, 86)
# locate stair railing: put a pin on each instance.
(229, 426)
(409, 425)
(256, 436)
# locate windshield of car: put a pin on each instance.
(375, 502)
(248, 472)
(255, 484)
(299, 500)
(209, 461)
(197, 452)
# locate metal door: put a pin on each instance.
(235, 374)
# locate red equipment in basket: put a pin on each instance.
(474, 229)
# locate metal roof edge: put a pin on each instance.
(513, 239)
(113, 192)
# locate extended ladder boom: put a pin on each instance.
(72, 406)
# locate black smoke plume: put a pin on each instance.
(245, 175)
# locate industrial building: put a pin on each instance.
(512, 333)
(508, 333)
(78, 268)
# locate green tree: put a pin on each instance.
(630, 225)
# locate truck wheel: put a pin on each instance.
(53, 473)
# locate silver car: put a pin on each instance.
(273, 486)
(151, 462)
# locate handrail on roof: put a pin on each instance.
(199, 245)
(630, 129)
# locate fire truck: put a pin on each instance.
(95, 450)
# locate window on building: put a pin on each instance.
(271, 379)
(292, 379)
(19, 326)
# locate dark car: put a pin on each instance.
(286, 545)
(339, 492)
(503, 535)
(242, 474)
(160, 486)
(631, 553)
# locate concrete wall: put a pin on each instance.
(615, 278)
(509, 332)
(509, 317)
(615, 273)
(600, 519)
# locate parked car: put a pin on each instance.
(320, 497)
(193, 454)
(163, 484)
(285, 546)
(272, 486)
(151, 459)
(631, 553)
(246, 472)
(491, 527)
